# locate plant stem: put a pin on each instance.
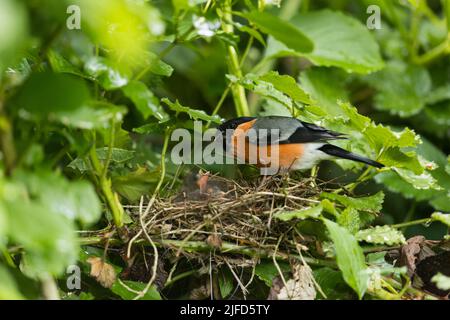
(7, 139)
(411, 223)
(238, 92)
(104, 183)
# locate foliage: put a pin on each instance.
(86, 115)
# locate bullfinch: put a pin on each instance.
(300, 145)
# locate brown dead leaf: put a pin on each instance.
(414, 251)
(103, 272)
(214, 241)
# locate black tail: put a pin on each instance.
(341, 153)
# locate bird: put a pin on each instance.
(301, 145)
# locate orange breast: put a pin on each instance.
(264, 156)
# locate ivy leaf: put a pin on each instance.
(193, 113)
(381, 235)
(441, 217)
(349, 256)
(307, 213)
(281, 30)
(339, 41)
(145, 101)
(123, 292)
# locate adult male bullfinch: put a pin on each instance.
(300, 145)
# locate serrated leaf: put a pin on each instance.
(402, 89)
(349, 257)
(339, 40)
(372, 203)
(422, 181)
(281, 30)
(441, 217)
(266, 89)
(193, 113)
(327, 86)
(145, 101)
(125, 294)
(288, 86)
(306, 213)
(118, 156)
(349, 218)
(381, 235)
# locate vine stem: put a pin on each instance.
(238, 92)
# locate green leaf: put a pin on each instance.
(157, 66)
(381, 235)
(93, 115)
(145, 101)
(440, 113)
(306, 213)
(48, 237)
(267, 271)
(372, 203)
(13, 32)
(118, 156)
(125, 294)
(402, 89)
(59, 64)
(423, 181)
(349, 218)
(134, 184)
(288, 86)
(193, 113)
(349, 256)
(8, 287)
(327, 86)
(226, 282)
(281, 30)
(441, 281)
(266, 89)
(46, 93)
(331, 283)
(441, 217)
(339, 41)
(109, 75)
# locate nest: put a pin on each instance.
(214, 211)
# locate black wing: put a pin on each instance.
(310, 132)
